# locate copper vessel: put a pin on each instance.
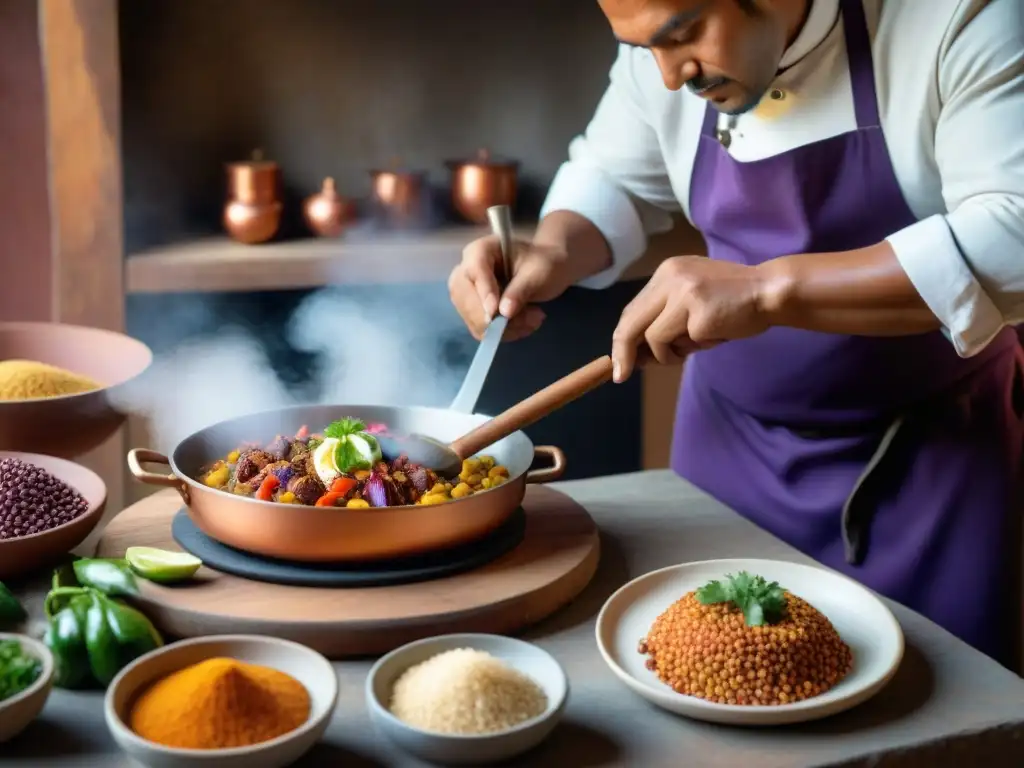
(332, 534)
(400, 197)
(327, 213)
(252, 213)
(482, 182)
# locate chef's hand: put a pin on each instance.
(538, 274)
(690, 303)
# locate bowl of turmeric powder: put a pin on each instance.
(64, 389)
(229, 701)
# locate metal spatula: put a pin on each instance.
(500, 217)
(446, 460)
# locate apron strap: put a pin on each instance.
(861, 61)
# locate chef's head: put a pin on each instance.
(727, 51)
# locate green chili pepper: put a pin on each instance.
(92, 635)
(100, 641)
(65, 637)
(134, 633)
(11, 611)
(111, 577)
(64, 576)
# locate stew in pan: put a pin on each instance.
(342, 466)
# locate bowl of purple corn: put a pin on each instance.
(48, 506)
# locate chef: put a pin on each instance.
(854, 384)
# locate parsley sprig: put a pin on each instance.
(761, 602)
(18, 670)
(344, 427)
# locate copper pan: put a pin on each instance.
(326, 534)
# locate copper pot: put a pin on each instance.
(332, 534)
(327, 213)
(482, 182)
(400, 196)
(252, 213)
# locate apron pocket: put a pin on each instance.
(859, 509)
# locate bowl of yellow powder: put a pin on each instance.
(64, 388)
(466, 699)
(230, 701)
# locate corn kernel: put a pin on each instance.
(233, 457)
(485, 483)
(218, 477)
(497, 480)
(439, 488)
(486, 462)
(498, 471)
(461, 490)
(433, 498)
(473, 480)
(287, 498)
(357, 503)
(469, 466)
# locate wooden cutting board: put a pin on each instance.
(556, 560)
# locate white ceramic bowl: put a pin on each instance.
(21, 709)
(305, 665)
(461, 750)
(859, 616)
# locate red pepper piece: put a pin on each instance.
(267, 487)
(329, 498)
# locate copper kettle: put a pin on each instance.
(482, 182)
(327, 213)
(252, 213)
(399, 196)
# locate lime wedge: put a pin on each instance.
(160, 565)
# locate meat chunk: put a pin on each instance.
(307, 488)
(250, 463)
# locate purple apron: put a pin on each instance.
(892, 460)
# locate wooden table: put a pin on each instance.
(948, 705)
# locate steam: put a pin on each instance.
(371, 351)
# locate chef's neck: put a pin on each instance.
(808, 23)
(796, 13)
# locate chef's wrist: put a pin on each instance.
(776, 290)
(585, 250)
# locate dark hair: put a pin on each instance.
(750, 6)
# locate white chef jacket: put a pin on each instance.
(950, 81)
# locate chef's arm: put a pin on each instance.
(614, 191)
(963, 270)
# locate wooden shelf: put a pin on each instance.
(220, 264)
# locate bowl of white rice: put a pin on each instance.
(468, 698)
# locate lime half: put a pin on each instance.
(160, 565)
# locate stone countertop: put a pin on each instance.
(947, 705)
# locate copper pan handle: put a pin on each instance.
(547, 474)
(139, 456)
(535, 407)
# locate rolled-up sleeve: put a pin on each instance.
(615, 176)
(968, 265)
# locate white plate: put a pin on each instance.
(862, 620)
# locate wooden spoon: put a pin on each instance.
(446, 460)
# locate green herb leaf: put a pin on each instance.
(760, 601)
(343, 427)
(714, 592)
(18, 670)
